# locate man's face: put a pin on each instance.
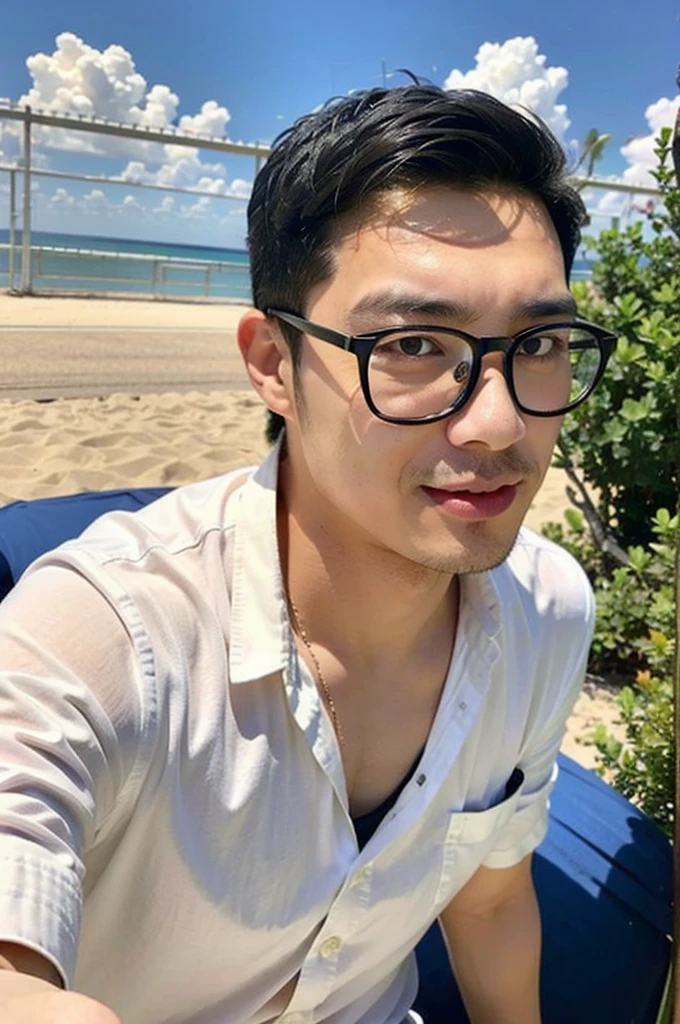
(379, 484)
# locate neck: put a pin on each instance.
(374, 610)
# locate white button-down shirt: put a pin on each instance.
(174, 826)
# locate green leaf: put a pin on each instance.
(629, 306)
(629, 351)
(574, 520)
(627, 700)
(638, 557)
(615, 431)
(633, 411)
(667, 294)
(656, 372)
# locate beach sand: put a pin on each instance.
(144, 438)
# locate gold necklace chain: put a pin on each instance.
(302, 633)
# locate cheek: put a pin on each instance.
(356, 459)
(330, 380)
(367, 457)
(550, 433)
(541, 437)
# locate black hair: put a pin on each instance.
(343, 157)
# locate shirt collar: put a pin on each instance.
(259, 616)
(260, 625)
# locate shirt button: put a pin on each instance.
(361, 876)
(330, 947)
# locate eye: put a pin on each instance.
(541, 345)
(415, 345)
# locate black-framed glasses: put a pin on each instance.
(421, 374)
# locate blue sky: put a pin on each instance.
(268, 62)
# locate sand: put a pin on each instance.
(145, 437)
(39, 311)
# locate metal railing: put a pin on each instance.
(32, 263)
(60, 269)
(31, 117)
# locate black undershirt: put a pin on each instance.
(365, 825)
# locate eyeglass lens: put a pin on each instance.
(413, 375)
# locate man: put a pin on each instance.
(257, 737)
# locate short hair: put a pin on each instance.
(344, 157)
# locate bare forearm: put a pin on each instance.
(496, 960)
(28, 999)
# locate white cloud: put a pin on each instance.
(216, 186)
(639, 151)
(240, 188)
(234, 212)
(196, 211)
(625, 206)
(95, 197)
(133, 217)
(96, 201)
(212, 120)
(136, 172)
(79, 79)
(610, 204)
(182, 166)
(516, 73)
(166, 205)
(613, 203)
(183, 170)
(9, 142)
(62, 198)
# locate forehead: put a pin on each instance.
(485, 250)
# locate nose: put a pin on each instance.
(489, 417)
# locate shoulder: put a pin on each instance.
(547, 617)
(545, 579)
(178, 521)
(161, 567)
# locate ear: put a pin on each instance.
(267, 360)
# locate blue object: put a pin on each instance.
(603, 874)
(29, 528)
(603, 877)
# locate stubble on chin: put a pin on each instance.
(479, 552)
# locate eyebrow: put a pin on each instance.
(405, 304)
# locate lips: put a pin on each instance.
(478, 485)
(478, 501)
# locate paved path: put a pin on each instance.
(80, 362)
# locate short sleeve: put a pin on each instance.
(69, 736)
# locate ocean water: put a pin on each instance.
(218, 274)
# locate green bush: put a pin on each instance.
(642, 769)
(624, 440)
(621, 451)
(634, 643)
(635, 626)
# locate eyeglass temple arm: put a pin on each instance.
(343, 341)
